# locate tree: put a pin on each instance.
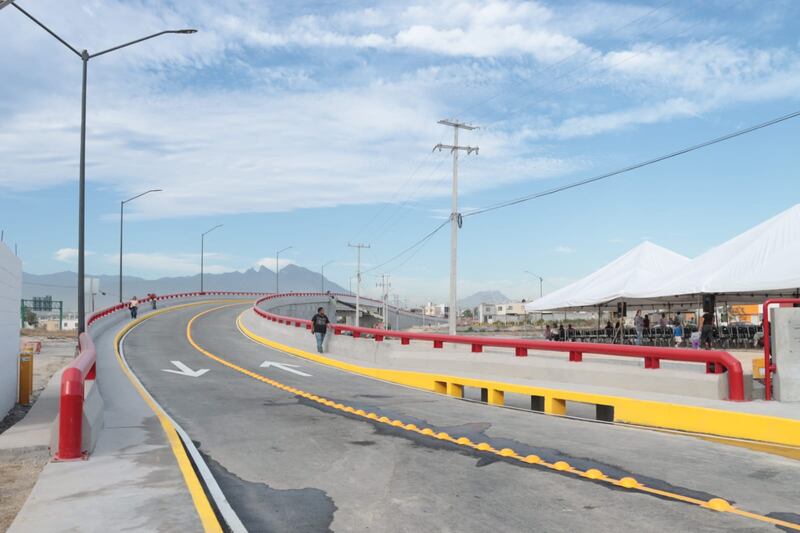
(467, 313)
(31, 318)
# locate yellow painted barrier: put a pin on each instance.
(25, 377)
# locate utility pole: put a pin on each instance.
(358, 279)
(455, 216)
(385, 285)
(397, 311)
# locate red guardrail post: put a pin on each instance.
(70, 421)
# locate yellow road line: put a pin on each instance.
(716, 504)
(204, 509)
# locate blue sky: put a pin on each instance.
(310, 124)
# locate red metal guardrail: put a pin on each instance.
(769, 364)
(82, 368)
(714, 360)
(70, 421)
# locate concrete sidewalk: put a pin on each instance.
(131, 481)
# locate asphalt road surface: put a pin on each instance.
(289, 464)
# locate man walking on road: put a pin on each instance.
(319, 327)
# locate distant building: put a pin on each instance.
(486, 313)
(438, 310)
(505, 313)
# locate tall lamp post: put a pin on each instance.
(322, 274)
(85, 57)
(541, 315)
(278, 268)
(540, 281)
(121, 207)
(203, 251)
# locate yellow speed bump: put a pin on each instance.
(594, 473)
(628, 483)
(718, 504)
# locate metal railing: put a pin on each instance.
(716, 361)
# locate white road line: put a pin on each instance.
(284, 366)
(184, 370)
(223, 505)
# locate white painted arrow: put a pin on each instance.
(286, 367)
(184, 370)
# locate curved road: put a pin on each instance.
(290, 464)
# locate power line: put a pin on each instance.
(636, 166)
(419, 242)
(398, 211)
(422, 241)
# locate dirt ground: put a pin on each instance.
(19, 468)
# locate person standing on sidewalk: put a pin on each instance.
(707, 330)
(319, 327)
(134, 306)
(638, 323)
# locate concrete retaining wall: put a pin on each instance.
(10, 296)
(786, 349)
(548, 369)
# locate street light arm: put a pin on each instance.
(48, 30)
(187, 32)
(140, 195)
(212, 229)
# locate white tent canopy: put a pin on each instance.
(639, 271)
(762, 261)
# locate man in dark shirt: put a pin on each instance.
(706, 330)
(319, 327)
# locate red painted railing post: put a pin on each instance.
(70, 420)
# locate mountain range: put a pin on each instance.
(62, 285)
(483, 297)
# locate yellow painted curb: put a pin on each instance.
(654, 414)
(201, 503)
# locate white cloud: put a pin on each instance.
(562, 249)
(68, 255)
(233, 149)
(269, 262)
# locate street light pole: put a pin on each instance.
(85, 57)
(322, 274)
(277, 269)
(121, 207)
(540, 281)
(202, 253)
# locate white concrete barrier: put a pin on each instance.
(681, 379)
